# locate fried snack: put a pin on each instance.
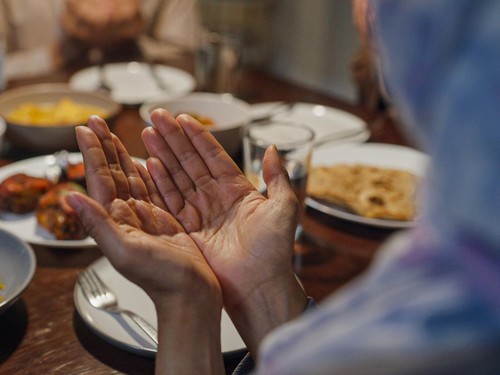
(20, 192)
(74, 172)
(56, 216)
(368, 191)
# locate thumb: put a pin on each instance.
(276, 178)
(95, 219)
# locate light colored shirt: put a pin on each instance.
(430, 302)
(30, 28)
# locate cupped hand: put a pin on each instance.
(246, 238)
(126, 217)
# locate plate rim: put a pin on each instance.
(360, 138)
(374, 222)
(77, 244)
(78, 293)
(84, 243)
(149, 105)
(148, 352)
(6, 303)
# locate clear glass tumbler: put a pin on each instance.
(294, 143)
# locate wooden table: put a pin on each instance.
(42, 333)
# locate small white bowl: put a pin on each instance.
(55, 137)
(229, 114)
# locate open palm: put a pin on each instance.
(237, 228)
(129, 222)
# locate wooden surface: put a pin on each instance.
(42, 333)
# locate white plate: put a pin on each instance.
(376, 154)
(17, 267)
(126, 335)
(133, 83)
(25, 226)
(325, 121)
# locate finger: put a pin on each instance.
(136, 185)
(186, 213)
(213, 155)
(100, 183)
(153, 193)
(169, 192)
(98, 125)
(276, 177)
(156, 221)
(182, 148)
(98, 224)
(158, 147)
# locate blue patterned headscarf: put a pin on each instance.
(430, 302)
(444, 78)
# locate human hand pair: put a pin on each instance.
(195, 193)
(144, 242)
(128, 219)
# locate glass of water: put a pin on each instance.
(294, 143)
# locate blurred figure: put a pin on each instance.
(364, 69)
(44, 36)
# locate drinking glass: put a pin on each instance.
(218, 62)
(294, 143)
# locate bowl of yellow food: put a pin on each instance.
(222, 114)
(43, 117)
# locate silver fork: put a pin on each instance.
(101, 297)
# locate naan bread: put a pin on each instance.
(366, 190)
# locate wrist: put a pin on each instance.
(189, 336)
(267, 307)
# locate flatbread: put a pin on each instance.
(369, 191)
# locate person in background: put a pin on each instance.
(195, 234)
(42, 37)
(364, 69)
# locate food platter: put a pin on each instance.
(125, 335)
(25, 226)
(133, 83)
(375, 154)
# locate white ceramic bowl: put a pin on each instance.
(55, 137)
(229, 114)
(17, 267)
